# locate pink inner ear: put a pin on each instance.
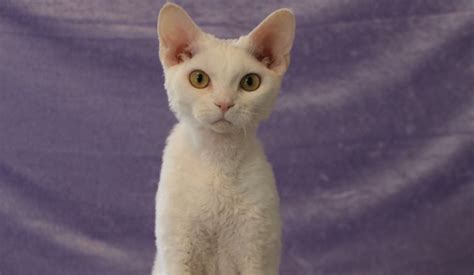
(264, 48)
(264, 55)
(271, 41)
(178, 47)
(178, 55)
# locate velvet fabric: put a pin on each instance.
(371, 141)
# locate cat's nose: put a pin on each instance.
(224, 106)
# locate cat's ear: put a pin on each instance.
(271, 41)
(176, 32)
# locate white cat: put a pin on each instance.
(217, 207)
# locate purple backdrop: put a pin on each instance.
(372, 139)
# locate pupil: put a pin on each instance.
(199, 77)
(249, 81)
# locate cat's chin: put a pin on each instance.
(223, 126)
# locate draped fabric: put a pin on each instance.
(371, 140)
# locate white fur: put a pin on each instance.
(217, 207)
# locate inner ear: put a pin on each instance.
(177, 34)
(179, 54)
(272, 40)
(264, 55)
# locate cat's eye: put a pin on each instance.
(199, 79)
(250, 82)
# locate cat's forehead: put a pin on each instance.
(225, 57)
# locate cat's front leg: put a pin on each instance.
(260, 246)
(174, 245)
(260, 264)
(173, 261)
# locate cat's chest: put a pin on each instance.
(218, 188)
(213, 173)
(227, 202)
(220, 184)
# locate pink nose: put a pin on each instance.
(224, 106)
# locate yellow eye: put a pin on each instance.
(199, 79)
(250, 82)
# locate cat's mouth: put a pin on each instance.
(222, 120)
(222, 126)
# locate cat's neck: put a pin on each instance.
(221, 148)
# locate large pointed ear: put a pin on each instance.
(271, 40)
(176, 32)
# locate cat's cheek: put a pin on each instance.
(196, 114)
(180, 103)
(200, 112)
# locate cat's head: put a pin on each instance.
(223, 85)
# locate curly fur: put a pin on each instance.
(217, 207)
